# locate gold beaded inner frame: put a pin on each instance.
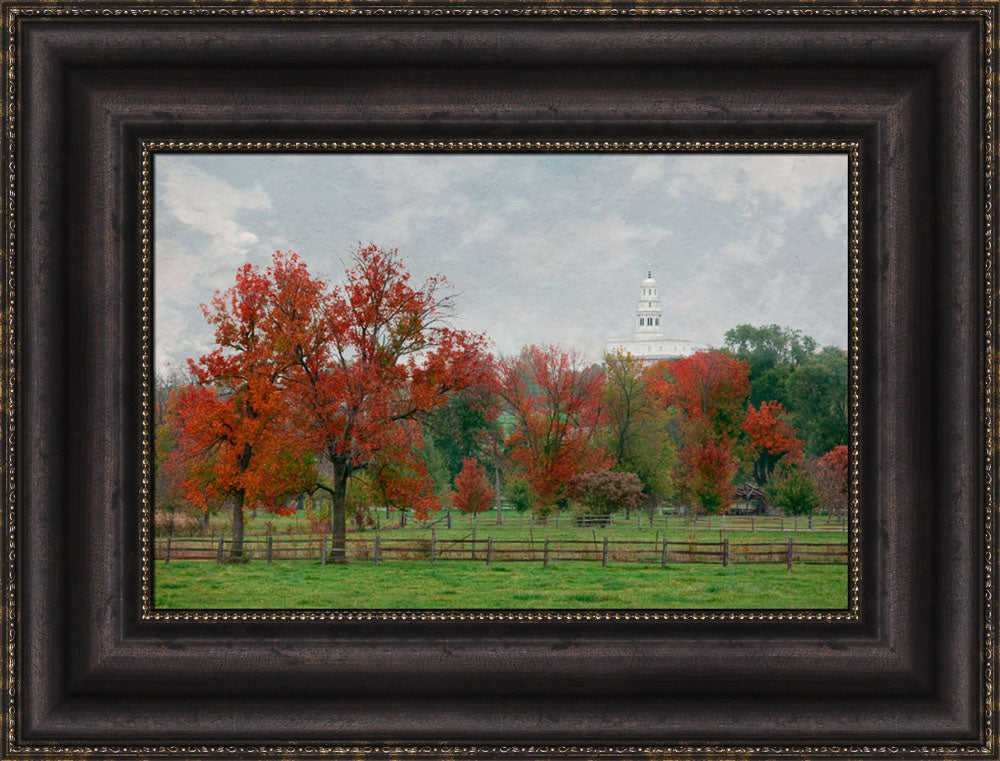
(850, 148)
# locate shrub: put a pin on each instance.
(602, 492)
(178, 524)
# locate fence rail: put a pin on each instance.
(489, 550)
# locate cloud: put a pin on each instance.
(209, 204)
(748, 180)
(200, 240)
(540, 248)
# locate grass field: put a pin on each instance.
(767, 529)
(414, 584)
(297, 584)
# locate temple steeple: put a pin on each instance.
(650, 310)
(648, 342)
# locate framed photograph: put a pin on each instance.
(496, 380)
(482, 439)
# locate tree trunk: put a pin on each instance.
(338, 512)
(496, 480)
(236, 548)
(204, 522)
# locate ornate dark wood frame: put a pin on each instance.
(86, 673)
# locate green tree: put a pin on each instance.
(463, 428)
(637, 432)
(766, 346)
(792, 490)
(772, 353)
(519, 494)
(437, 469)
(817, 397)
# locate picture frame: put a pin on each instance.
(91, 670)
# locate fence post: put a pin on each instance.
(433, 545)
(725, 553)
(270, 548)
(489, 550)
(604, 555)
(788, 553)
(663, 554)
(782, 523)
(449, 519)
(666, 518)
(167, 559)
(545, 554)
(723, 522)
(751, 524)
(218, 555)
(378, 547)
(322, 551)
(810, 523)
(710, 523)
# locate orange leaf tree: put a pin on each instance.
(708, 388)
(473, 492)
(231, 427)
(830, 473)
(362, 359)
(707, 467)
(771, 439)
(708, 385)
(556, 405)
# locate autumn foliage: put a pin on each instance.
(473, 493)
(555, 400)
(709, 389)
(707, 467)
(313, 386)
(772, 439)
(708, 385)
(234, 441)
(830, 473)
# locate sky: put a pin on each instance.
(538, 248)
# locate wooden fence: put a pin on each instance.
(488, 550)
(782, 523)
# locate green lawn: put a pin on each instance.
(458, 584)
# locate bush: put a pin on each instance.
(604, 491)
(178, 524)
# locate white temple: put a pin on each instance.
(649, 342)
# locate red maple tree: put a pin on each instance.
(709, 389)
(231, 428)
(473, 492)
(402, 482)
(556, 405)
(771, 439)
(363, 358)
(830, 473)
(709, 385)
(707, 467)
